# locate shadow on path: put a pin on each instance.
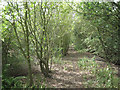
(68, 74)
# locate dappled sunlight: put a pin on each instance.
(69, 74)
(60, 44)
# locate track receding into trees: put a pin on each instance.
(67, 74)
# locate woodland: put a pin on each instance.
(60, 45)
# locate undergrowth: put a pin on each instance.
(21, 82)
(98, 77)
(57, 60)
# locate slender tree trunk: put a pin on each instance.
(27, 49)
(118, 45)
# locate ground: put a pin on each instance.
(68, 74)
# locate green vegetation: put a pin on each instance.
(100, 77)
(36, 35)
(97, 29)
(57, 60)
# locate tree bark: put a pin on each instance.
(27, 48)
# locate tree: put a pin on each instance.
(103, 18)
(25, 29)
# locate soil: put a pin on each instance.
(68, 74)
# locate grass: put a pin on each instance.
(98, 77)
(65, 68)
(82, 50)
(58, 60)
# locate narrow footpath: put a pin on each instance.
(68, 74)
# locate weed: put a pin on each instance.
(104, 77)
(65, 68)
(58, 60)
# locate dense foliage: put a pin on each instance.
(34, 30)
(38, 32)
(97, 29)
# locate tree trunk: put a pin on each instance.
(27, 48)
(118, 46)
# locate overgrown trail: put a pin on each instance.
(67, 74)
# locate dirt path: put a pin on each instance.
(68, 74)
